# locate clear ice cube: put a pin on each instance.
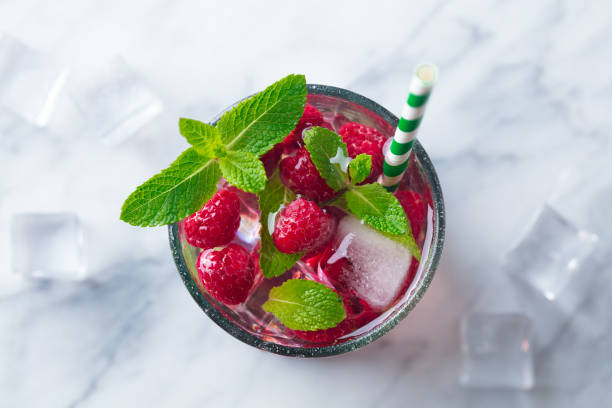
(30, 81)
(380, 265)
(496, 351)
(48, 246)
(114, 102)
(551, 256)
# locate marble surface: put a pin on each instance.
(520, 118)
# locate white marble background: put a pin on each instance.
(522, 106)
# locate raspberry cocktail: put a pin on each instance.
(280, 226)
(378, 279)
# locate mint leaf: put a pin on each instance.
(329, 155)
(173, 194)
(205, 138)
(377, 208)
(243, 170)
(305, 305)
(359, 168)
(274, 194)
(272, 262)
(340, 202)
(258, 123)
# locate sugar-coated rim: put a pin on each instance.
(431, 263)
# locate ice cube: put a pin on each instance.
(551, 255)
(30, 81)
(379, 265)
(115, 102)
(496, 351)
(47, 246)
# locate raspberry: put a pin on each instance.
(414, 208)
(311, 117)
(302, 226)
(226, 274)
(299, 173)
(216, 223)
(364, 139)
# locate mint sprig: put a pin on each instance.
(305, 305)
(231, 149)
(205, 138)
(272, 262)
(371, 202)
(329, 155)
(260, 122)
(274, 194)
(360, 167)
(243, 170)
(377, 207)
(174, 193)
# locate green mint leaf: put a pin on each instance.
(173, 194)
(329, 155)
(272, 262)
(305, 305)
(258, 123)
(406, 240)
(340, 202)
(359, 168)
(243, 170)
(274, 194)
(377, 208)
(205, 138)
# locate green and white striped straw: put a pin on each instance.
(396, 158)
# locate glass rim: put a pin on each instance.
(431, 263)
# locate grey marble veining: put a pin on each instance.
(520, 117)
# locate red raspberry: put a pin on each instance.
(271, 158)
(216, 223)
(299, 173)
(302, 227)
(364, 139)
(414, 208)
(311, 117)
(226, 274)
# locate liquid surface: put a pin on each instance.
(373, 274)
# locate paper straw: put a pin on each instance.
(396, 158)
